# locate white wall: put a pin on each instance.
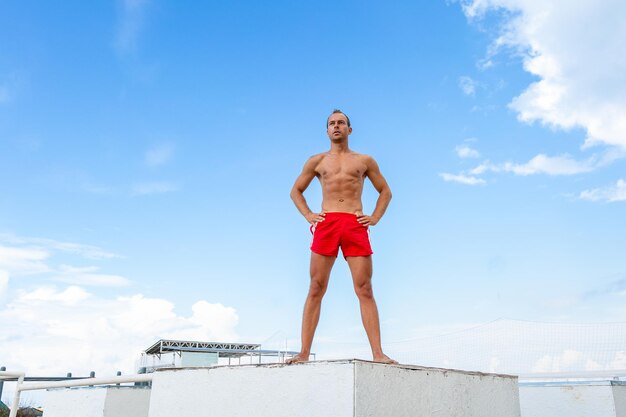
(97, 402)
(349, 388)
(619, 397)
(80, 402)
(406, 392)
(308, 390)
(127, 402)
(331, 389)
(579, 399)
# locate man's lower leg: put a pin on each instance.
(310, 318)
(371, 323)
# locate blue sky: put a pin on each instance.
(148, 147)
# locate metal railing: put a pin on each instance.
(21, 386)
(603, 374)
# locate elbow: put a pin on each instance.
(294, 194)
(388, 194)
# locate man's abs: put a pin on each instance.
(342, 193)
(342, 205)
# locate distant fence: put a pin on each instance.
(505, 346)
(68, 376)
(20, 378)
(525, 347)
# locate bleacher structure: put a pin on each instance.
(188, 353)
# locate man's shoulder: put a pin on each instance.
(363, 157)
(312, 163)
(318, 157)
(369, 162)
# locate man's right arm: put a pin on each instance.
(301, 184)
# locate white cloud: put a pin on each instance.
(84, 332)
(482, 168)
(619, 362)
(581, 80)
(566, 361)
(4, 282)
(561, 165)
(132, 17)
(577, 51)
(157, 187)
(23, 260)
(85, 251)
(464, 151)
(70, 296)
(209, 322)
(35, 256)
(609, 194)
(462, 179)
(467, 85)
(550, 165)
(88, 276)
(159, 155)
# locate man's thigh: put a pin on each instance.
(321, 266)
(361, 268)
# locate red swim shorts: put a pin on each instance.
(340, 229)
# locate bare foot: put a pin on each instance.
(299, 358)
(385, 359)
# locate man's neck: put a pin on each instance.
(339, 147)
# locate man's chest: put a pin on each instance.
(341, 167)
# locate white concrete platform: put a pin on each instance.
(348, 388)
(573, 399)
(97, 402)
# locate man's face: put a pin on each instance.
(338, 129)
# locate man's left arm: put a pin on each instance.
(384, 193)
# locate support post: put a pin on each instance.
(2, 369)
(141, 371)
(16, 396)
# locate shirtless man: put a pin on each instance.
(341, 222)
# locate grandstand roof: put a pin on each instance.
(224, 349)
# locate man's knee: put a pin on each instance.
(317, 288)
(364, 290)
